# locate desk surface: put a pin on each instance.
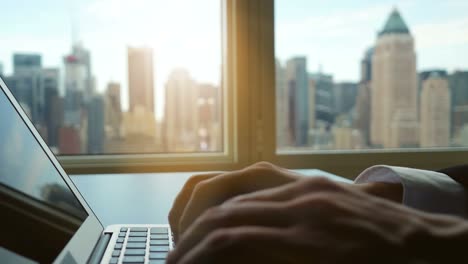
(140, 198)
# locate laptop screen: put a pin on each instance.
(39, 212)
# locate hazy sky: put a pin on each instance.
(187, 33)
(336, 34)
(182, 33)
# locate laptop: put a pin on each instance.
(43, 216)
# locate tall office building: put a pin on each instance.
(323, 104)
(394, 121)
(76, 82)
(424, 75)
(56, 117)
(25, 63)
(69, 141)
(83, 56)
(96, 125)
(113, 110)
(209, 118)
(311, 112)
(181, 120)
(344, 97)
(139, 126)
(363, 100)
(140, 78)
(50, 82)
(366, 65)
(459, 87)
(26, 86)
(282, 114)
(363, 112)
(297, 81)
(435, 112)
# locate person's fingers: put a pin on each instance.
(207, 194)
(248, 244)
(183, 197)
(289, 191)
(216, 190)
(247, 214)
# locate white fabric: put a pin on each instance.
(424, 190)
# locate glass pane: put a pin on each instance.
(371, 74)
(117, 76)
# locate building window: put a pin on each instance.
(370, 76)
(118, 77)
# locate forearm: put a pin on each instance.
(458, 174)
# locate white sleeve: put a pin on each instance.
(429, 191)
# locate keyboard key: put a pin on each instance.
(138, 229)
(157, 261)
(159, 248)
(136, 245)
(159, 237)
(135, 252)
(118, 246)
(159, 242)
(138, 234)
(120, 240)
(159, 230)
(122, 234)
(136, 239)
(133, 259)
(157, 255)
(123, 229)
(116, 253)
(114, 261)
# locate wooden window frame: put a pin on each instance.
(249, 128)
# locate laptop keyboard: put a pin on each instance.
(141, 245)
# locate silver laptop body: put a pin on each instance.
(46, 218)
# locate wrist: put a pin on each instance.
(389, 191)
(438, 239)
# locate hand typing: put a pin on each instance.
(315, 220)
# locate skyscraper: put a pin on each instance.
(366, 65)
(344, 97)
(113, 110)
(363, 100)
(209, 118)
(83, 56)
(323, 104)
(69, 141)
(394, 120)
(459, 87)
(25, 63)
(140, 78)
(282, 114)
(55, 117)
(96, 125)
(76, 82)
(27, 87)
(50, 82)
(435, 112)
(181, 120)
(424, 75)
(297, 81)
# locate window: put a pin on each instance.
(369, 75)
(118, 77)
(266, 61)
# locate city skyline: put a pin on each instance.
(105, 30)
(107, 27)
(318, 109)
(391, 106)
